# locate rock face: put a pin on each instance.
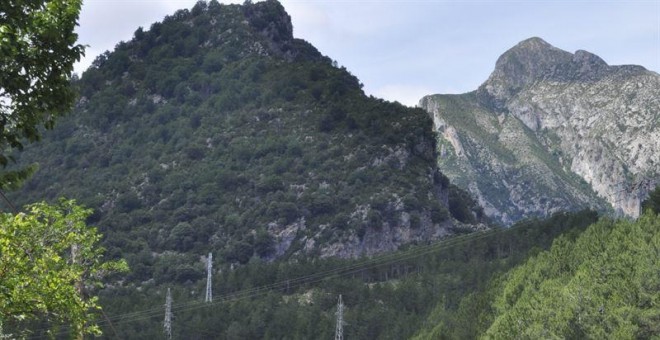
(552, 130)
(217, 130)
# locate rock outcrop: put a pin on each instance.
(552, 130)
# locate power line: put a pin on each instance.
(370, 263)
(640, 186)
(387, 259)
(11, 205)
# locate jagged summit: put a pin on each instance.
(544, 116)
(273, 23)
(533, 55)
(526, 62)
(534, 60)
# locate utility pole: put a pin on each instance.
(209, 284)
(168, 315)
(339, 329)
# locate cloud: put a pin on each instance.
(405, 94)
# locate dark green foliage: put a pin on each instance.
(653, 201)
(239, 252)
(263, 243)
(204, 132)
(601, 283)
(37, 52)
(462, 207)
(390, 300)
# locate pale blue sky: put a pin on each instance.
(402, 50)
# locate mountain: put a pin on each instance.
(217, 131)
(599, 283)
(551, 130)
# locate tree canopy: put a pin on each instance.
(653, 201)
(49, 257)
(37, 52)
(600, 284)
(50, 261)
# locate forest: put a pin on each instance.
(217, 132)
(391, 296)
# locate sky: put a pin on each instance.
(402, 50)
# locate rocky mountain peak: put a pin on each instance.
(534, 60)
(544, 116)
(520, 66)
(272, 22)
(534, 55)
(586, 66)
(587, 58)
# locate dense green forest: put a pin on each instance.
(387, 297)
(603, 284)
(216, 131)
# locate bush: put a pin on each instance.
(128, 202)
(415, 220)
(240, 251)
(438, 212)
(264, 244)
(653, 201)
(322, 204)
(287, 212)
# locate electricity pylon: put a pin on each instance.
(209, 284)
(339, 329)
(167, 324)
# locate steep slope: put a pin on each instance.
(216, 130)
(551, 130)
(601, 284)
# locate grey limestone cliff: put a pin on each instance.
(552, 130)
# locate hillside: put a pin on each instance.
(552, 130)
(217, 131)
(387, 296)
(602, 284)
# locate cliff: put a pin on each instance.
(553, 130)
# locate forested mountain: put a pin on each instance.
(388, 296)
(602, 284)
(552, 130)
(217, 131)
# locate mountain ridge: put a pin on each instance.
(534, 60)
(216, 130)
(580, 112)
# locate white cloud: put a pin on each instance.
(405, 94)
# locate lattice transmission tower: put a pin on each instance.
(167, 324)
(339, 328)
(209, 284)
